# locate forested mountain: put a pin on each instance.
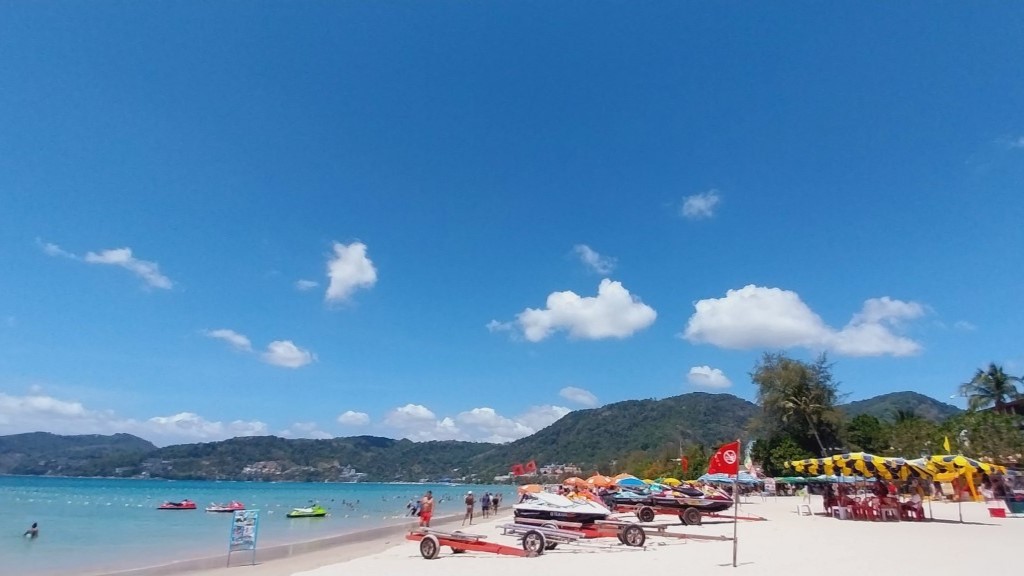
(86, 455)
(592, 439)
(886, 406)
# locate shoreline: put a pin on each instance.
(340, 548)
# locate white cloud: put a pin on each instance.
(37, 412)
(613, 313)
(304, 285)
(236, 340)
(755, 316)
(578, 396)
(484, 424)
(707, 377)
(189, 426)
(148, 271)
(286, 354)
(540, 417)
(964, 325)
(593, 260)
(487, 425)
(51, 249)
(349, 270)
(700, 205)
(1016, 142)
(305, 430)
(352, 418)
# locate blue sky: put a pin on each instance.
(464, 219)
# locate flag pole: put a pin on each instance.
(736, 505)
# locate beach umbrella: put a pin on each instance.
(631, 481)
(574, 481)
(671, 481)
(647, 481)
(956, 463)
(618, 477)
(531, 488)
(599, 480)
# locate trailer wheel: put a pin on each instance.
(551, 546)
(692, 517)
(429, 547)
(645, 514)
(633, 535)
(534, 542)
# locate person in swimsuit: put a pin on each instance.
(470, 501)
(426, 509)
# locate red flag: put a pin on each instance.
(531, 467)
(684, 463)
(726, 460)
(517, 470)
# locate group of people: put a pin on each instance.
(488, 504)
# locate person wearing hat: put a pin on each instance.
(470, 501)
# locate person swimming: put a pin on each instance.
(33, 531)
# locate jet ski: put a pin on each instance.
(314, 511)
(545, 506)
(229, 507)
(707, 500)
(183, 505)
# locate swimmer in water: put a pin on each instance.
(33, 531)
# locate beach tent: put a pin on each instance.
(791, 480)
(861, 464)
(743, 478)
(833, 479)
(956, 463)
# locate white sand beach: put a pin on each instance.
(778, 545)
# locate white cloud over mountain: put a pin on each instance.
(352, 418)
(579, 396)
(305, 430)
(707, 377)
(756, 317)
(419, 423)
(348, 270)
(37, 411)
(613, 313)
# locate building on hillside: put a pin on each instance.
(559, 470)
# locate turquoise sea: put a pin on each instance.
(88, 525)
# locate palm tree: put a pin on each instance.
(991, 387)
(904, 416)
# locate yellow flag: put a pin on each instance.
(945, 444)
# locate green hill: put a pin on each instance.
(591, 439)
(885, 406)
(42, 453)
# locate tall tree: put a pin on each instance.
(991, 387)
(798, 398)
(868, 434)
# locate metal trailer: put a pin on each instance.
(689, 516)
(431, 542)
(628, 533)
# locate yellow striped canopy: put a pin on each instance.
(941, 464)
(861, 464)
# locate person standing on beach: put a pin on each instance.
(485, 504)
(470, 501)
(426, 509)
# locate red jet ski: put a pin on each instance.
(183, 505)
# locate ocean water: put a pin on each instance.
(88, 525)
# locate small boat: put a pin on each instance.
(314, 511)
(229, 507)
(183, 505)
(545, 506)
